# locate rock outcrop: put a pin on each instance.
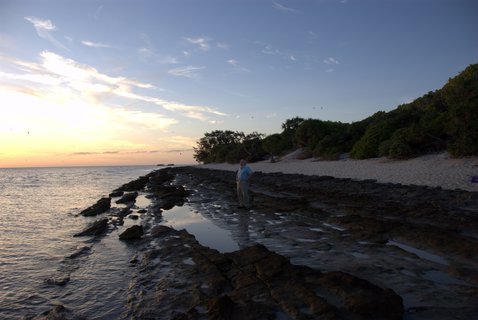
(99, 207)
(132, 233)
(96, 228)
(253, 283)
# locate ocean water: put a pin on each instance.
(38, 217)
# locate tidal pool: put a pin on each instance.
(206, 232)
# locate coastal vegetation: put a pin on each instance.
(441, 120)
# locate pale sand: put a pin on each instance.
(437, 170)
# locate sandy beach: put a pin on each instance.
(436, 170)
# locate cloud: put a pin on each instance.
(63, 79)
(188, 71)
(237, 67)
(95, 44)
(283, 8)
(331, 61)
(270, 50)
(89, 153)
(202, 43)
(44, 29)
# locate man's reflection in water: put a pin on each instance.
(244, 228)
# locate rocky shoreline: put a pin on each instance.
(311, 248)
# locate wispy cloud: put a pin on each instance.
(331, 61)
(270, 50)
(237, 67)
(202, 43)
(187, 71)
(283, 8)
(95, 44)
(44, 29)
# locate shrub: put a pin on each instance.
(368, 145)
(384, 148)
(331, 146)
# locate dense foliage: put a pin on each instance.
(229, 146)
(443, 120)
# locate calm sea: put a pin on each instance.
(38, 217)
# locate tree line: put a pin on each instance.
(442, 120)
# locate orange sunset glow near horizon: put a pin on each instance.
(61, 120)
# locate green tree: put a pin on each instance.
(208, 145)
(273, 144)
(368, 145)
(289, 128)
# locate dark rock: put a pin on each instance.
(58, 281)
(121, 212)
(135, 185)
(134, 232)
(128, 197)
(159, 178)
(362, 297)
(142, 211)
(96, 228)
(160, 230)
(170, 196)
(116, 194)
(220, 308)
(133, 216)
(99, 207)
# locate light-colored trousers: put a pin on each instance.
(243, 193)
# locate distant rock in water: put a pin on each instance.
(96, 228)
(128, 197)
(60, 281)
(134, 232)
(99, 207)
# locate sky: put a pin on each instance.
(133, 82)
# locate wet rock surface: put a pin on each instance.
(180, 279)
(311, 248)
(418, 241)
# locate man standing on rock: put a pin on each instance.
(243, 178)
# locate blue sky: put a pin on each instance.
(133, 82)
